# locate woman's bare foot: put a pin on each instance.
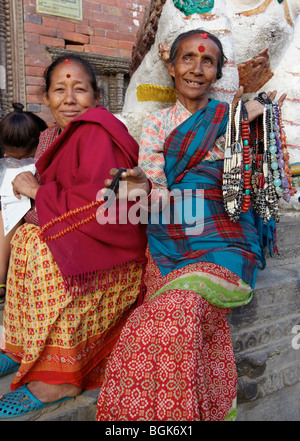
(48, 393)
(10, 356)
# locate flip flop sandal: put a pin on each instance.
(20, 402)
(7, 365)
(2, 297)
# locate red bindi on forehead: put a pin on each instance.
(202, 48)
(67, 61)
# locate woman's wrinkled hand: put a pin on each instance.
(136, 180)
(25, 184)
(256, 72)
(254, 108)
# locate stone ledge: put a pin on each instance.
(280, 406)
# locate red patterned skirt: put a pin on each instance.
(174, 359)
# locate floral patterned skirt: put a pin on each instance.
(60, 337)
(174, 359)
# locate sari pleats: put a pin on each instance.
(174, 359)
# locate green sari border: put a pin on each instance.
(214, 293)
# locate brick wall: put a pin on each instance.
(108, 27)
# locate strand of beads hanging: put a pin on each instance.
(276, 148)
(264, 176)
(245, 133)
(289, 188)
(233, 184)
(273, 176)
(257, 177)
(226, 188)
(69, 215)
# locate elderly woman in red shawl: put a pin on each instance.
(68, 298)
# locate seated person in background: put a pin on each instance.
(19, 137)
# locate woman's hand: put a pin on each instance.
(256, 72)
(25, 184)
(137, 183)
(254, 108)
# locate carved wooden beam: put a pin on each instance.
(15, 63)
(3, 80)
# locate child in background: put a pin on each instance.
(19, 137)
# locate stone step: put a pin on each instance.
(262, 335)
(288, 240)
(276, 295)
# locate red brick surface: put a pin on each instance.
(108, 27)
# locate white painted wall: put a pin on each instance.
(242, 38)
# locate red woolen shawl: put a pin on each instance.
(72, 171)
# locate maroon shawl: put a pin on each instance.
(72, 171)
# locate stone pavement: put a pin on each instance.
(262, 332)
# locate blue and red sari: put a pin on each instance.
(174, 359)
(234, 246)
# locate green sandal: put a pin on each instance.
(20, 402)
(7, 365)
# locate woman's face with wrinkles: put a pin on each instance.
(70, 93)
(195, 70)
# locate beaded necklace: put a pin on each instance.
(256, 162)
(287, 180)
(247, 162)
(68, 215)
(277, 148)
(270, 167)
(233, 172)
(114, 187)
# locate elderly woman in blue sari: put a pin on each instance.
(174, 359)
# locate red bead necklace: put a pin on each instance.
(114, 186)
(68, 215)
(247, 165)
